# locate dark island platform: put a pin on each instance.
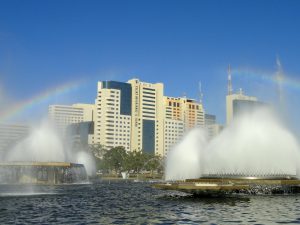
(214, 185)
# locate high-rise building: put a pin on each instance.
(113, 117)
(147, 117)
(181, 114)
(235, 102)
(10, 134)
(136, 115)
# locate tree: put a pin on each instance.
(134, 161)
(98, 150)
(114, 158)
(153, 163)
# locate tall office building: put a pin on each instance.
(136, 115)
(237, 102)
(113, 117)
(194, 114)
(147, 117)
(181, 114)
(173, 122)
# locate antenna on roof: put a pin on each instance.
(229, 85)
(200, 92)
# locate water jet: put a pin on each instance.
(255, 154)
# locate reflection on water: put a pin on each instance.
(137, 203)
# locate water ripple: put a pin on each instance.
(138, 203)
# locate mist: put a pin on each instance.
(44, 144)
(255, 144)
(184, 161)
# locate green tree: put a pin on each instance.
(114, 158)
(98, 150)
(134, 161)
(153, 163)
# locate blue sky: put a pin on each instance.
(47, 43)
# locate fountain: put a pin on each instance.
(42, 159)
(254, 154)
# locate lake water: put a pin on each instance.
(119, 202)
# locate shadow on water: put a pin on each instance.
(205, 199)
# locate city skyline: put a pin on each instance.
(45, 46)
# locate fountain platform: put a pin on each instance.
(48, 173)
(234, 185)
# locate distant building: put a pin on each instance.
(242, 106)
(80, 133)
(88, 110)
(210, 119)
(10, 134)
(210, 122)
(133, 114)
(181, 115)
(64, 115)
(214, 130)
(237, 102)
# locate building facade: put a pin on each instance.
(147, 117)
(235, 103)
(113, 114)
(63, 115)
(180, 115)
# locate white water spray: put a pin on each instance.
(184, 161)
(255, 144)
(44, 145)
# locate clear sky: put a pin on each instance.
(46, 44)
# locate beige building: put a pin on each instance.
(136, 115)
(181, 115)
(113, 115)
(64, 115)
(147, 117)
(88, 110)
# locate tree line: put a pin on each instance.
(117, 160)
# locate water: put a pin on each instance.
(120, 202)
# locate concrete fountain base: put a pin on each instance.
(240, 185)
(49, 173)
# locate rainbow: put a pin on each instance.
(287, 81)
(16, 109)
